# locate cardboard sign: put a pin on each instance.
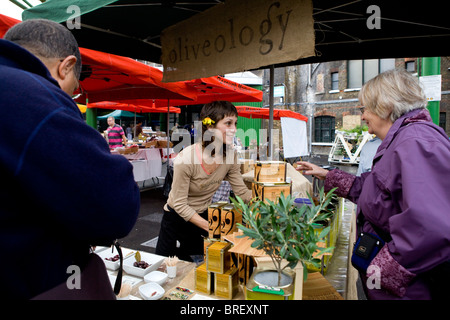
(236, 36)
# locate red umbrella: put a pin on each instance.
(6, 23)
(107, 77)
(216, 88)
(131, 107)
(263, 113)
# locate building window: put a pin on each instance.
(355, 74)
(361, 71)
(370, 69)
(324, 127)
(410, 66)
(335, 81)
(386, 64)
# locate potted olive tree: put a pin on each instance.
(286, 232)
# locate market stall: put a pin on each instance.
(182, 286)
(146, 163)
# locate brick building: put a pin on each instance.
(328, 92)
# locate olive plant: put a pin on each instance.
(285, 231)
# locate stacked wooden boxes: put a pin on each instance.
(270, 180)
(218, 274)
(214, 215)
(223, 219)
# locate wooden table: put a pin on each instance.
(316, 286)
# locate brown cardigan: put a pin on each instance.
(193, 188)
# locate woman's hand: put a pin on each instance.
(307, 168)
(200, 222)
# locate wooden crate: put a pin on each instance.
(204, 280)
(229, 218)
(218, 257)
(246, 265)
(270, 191)
(226, 285)
(270, 171)
(214, 221)
(247, 165)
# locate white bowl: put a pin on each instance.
(153, 260)
(99, 249)
(146, 291)
(156, 276)
(112, 265)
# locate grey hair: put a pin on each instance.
(393, 93)
(46, 39)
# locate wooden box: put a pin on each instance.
(247, 165)
(270, 191)
(245, 267)
(206, 243)
(214, 210)
(226, 285)
(218, 257)
(229, 218)
(204, 280)
(270, 171)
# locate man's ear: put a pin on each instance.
(66, 66)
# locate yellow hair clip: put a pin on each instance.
(207, 121)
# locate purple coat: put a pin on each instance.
(407, 194)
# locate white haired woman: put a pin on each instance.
(403, 202)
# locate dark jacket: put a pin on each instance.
(61, 189)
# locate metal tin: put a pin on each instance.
(227, 284)
(257, 279)
(218, 257)
(204, 279)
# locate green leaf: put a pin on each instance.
(288, 231)
(324, 232)
(257, 243)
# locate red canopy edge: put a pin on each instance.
(131, 107)
(263, 113)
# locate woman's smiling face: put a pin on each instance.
(376, 125)
(227, 128)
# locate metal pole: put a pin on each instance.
(168, 133)
(271, 90)
(91, 116)
(432, 66)
(134, 136)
